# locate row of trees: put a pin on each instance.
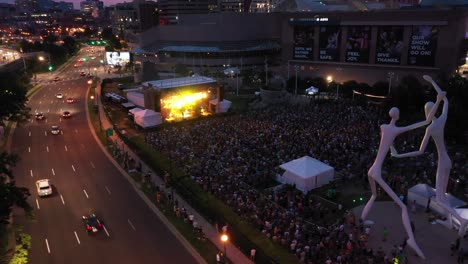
(12, 109)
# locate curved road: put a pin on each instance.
(84, 181)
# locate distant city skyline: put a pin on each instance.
(76, 3)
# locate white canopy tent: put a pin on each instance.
(306, 173)
(421, 193)
(223, 107)
(147, 118)
(134, 110)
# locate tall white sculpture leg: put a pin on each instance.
(436, 131)
(388, 134)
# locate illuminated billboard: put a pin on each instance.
(423, 45)
(329, 43)
(357, 44)
(118, 58)
(389, 45)
(303, 42)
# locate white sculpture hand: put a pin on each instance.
(393, 151)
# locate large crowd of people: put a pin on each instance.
(237, 158)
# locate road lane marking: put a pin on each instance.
(92, 165)
(40, 102)
(29, 133)
(37, 202)
(32, 120)
(131, 225)
(45, 133)
(105, 230)
(63, 201)
(86, 193)
(53, 172)
(47, 148)
(60, 119)
(82, 145)
(30, 172)
(66, 149)
(107, 189)
(47, 244)
(76, 131)
(29, 149)
(48, 110)
(73, 167)
(77, 239)
(61, 132)
(46, 120)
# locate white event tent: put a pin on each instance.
(306, 173)
(147, 118)
(421, 193)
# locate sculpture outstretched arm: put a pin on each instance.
(421, 150)
(440, 96)
(434, 84)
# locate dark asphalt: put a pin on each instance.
(84, 181)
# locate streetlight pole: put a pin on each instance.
(296, 69)
(224, 239)
(390, 77)
(237, 81)
(266, 71)
(338, 70)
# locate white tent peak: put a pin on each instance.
(306, 173)
(305, 166)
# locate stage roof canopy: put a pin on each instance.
(179, 82)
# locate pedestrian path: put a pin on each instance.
(211, 233)
(434, 239)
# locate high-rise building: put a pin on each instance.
(172, 9)
(148, 14)
(92, 7)
(26, 6)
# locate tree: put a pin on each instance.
(12, 108)
(13, 98)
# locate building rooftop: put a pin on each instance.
(179, 82)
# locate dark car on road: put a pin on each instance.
(92, 223)
(66, 114)
(55, 130)
(40, 116)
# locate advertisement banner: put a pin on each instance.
(329, 44)
(423, 45)
(118, 58)
(357, 44)
(389, 45)
(303, 42)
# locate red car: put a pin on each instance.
(70, 100)
(82, 74)
(56, 79)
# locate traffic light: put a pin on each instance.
(51, 68)
(84, 59)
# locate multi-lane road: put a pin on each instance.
(84, 181)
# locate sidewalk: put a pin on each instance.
(232, 252)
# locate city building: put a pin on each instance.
(364, 46)
(172, 9)
(92, 7)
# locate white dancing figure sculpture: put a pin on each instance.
(388, 134)
(436, 131)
